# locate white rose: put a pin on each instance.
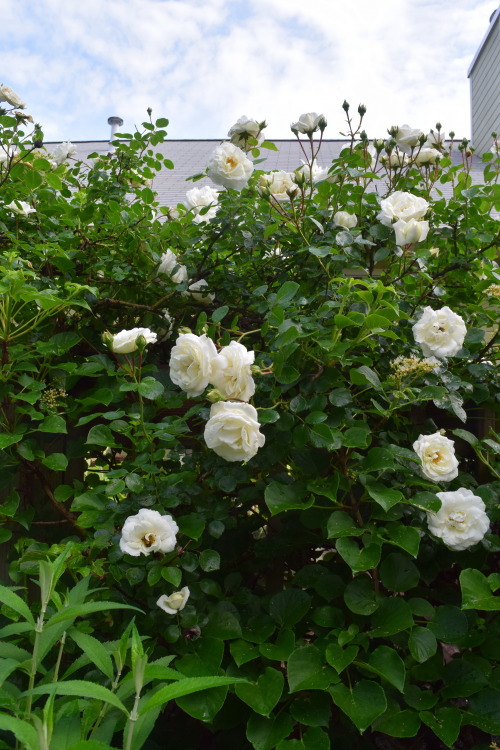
(231, 373)
(308, 123)
(10, 96)
(194, 290)
(230, 166)
(427, 156)
(246, 128)
(279, 184)
(175, 602)
(409, 232)
(461, 521)
(20, 207)
(437, 454)
(191, 363)
(233, 431)
(198, 198)
(64, 151)
(345, 219)
(125, 342)
(6, 155)
(440, 333)
(168, 263)
(401, 205)
(435, 139)
(407, 138)
(147, 532)
(394, 159)
(314, 173)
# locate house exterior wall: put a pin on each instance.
(484, 75)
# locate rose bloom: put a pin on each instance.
(10, 96)
(308, 123)
(345, 219)
(229, 166)
(198, 198)
(427, 156)
(231, 373)
(168, 263)
(461, 521)
(246, 128)
(233, 431)
(410, 232)
(195, 290)
(191, 362)
(407, 138)
(125, 342)
(175, 602)
(313, 173)
(437, 454)
(64, 151)
(21, 207)
(395, 159)
(440, 333)
(148, 531)
(279, 184)
(401, 205)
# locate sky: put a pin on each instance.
(204, 63)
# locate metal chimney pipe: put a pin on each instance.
(115, 122)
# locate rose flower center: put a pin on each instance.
(457, 520)
(148, 539)
(231, 162)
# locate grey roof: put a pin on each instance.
(190, 157)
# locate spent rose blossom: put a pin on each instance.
(231, 373)
(175, 602)
(401, 205)
(461, 521)
(201, 197)
(245, 128)
(148, 531)
(345, 219)
(8, 95)
(437, 454)
(308, 123)
(125, 342)
(230, 166)
(440, 333)
(407, 137)
(64, 151)
(171, 266)
(233, 431)
(20, 207)
(280, 185)
(191, 362)
(411, 231)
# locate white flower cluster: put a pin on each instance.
(440, 333)
(407, 211)
(412, 366)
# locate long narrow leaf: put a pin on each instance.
(95, 651)
(80, 689)
(12, 600)
(23, 731)
(81, 610)
(186, 687)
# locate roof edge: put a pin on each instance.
(493, 19)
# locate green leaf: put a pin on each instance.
(265, 734)
(476, 591)
(280, 497)
(449, 624)
(312, 709)
(307, 670)
(263, 695)
(322, 436)
(405, 723)
(209, 560)
(386, 497)
(150, 388)
(340, 658)
(358, 559)
(445, 724)
(281, 650)
(242, 652)
(92, 745)
(82, 610)
(7, 439)
(392, 616)
(95, 652)
(222, 624)
(406, 537)
(422, 644)
(367, 375)
(388, 664)
(220, 314)
(362, 704)
(340, 524)
(192, 525)
(23, 731)
(484, 710)
(268, 416)
(53, 423)
(100, 434)
(360, 596)
(286, 293)
(80, 689)
(186, 687)
(357, 436)
(378, 459)
(172, 575)
(427, 501)
(398, 573)
(289, 607)
(12, 600)
(56, 462)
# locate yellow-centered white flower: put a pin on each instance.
(191, 362)
(148, 531)
(437, 454)
(175, 602)
(231, 373)
(461, 521)
(440, 333)
(233, 431)
(229, 166)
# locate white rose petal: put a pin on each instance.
(314, 173)
(461, 521)
(233, 431)
(10, 96)
(64, 151)
(407, 138)
(191, 363)
(231, 373)
(279, 184)
(437, 454)
(167, 265)
(175, 602)
(148, 531)
(427, 156)
(308, 123)
(195, 290)
(345, 219)
(410, 232)
(394, 159)
(440, 333)
(229, 166)
(21, 207)
(401, 205)
(125, 342)
(198, 198)
(243, 129)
